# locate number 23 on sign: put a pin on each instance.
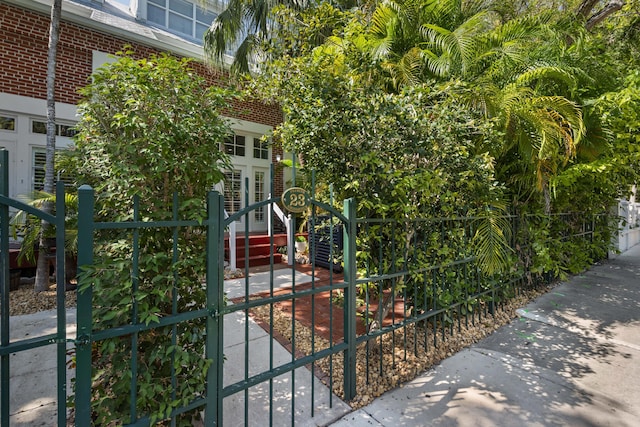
(295, 199)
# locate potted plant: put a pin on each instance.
(301, 243)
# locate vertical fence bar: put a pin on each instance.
(174, 298)
(4, 261)
(61, 309)
(215, 301)
(135, 274)
(350, 299)
(313, 266)
(271, 306)
(247, 261)
(84, 303)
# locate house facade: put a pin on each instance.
(92, 31)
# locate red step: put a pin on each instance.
(260, 249)
(259, 260)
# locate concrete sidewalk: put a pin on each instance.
(571, 359)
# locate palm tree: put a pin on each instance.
(246, 27)
(42, 268)
(30, 229)
(509, 70)
(241, 28)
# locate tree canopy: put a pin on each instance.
(423, 108)
(535, 71)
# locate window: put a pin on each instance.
(260, 149)
(234, 145)
(38, 170)
(259, 195)
(233, 191)
(38, 126)
(7, 123)
(181, 16)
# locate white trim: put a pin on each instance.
(34, 107)
(244, 126)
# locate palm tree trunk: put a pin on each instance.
(42, 268)
(547, 199)
(596, 18)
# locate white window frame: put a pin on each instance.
(233, 191)
(261, 147)
(62, 128)
(40, 166)
(196, 16)
(232, 145)
(36, 167)
(13, 117)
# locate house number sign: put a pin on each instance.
(295, 199)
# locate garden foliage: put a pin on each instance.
(466, 130)
(423, 109)
(149, 145)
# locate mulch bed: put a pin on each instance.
(386, 362)
(25, 300)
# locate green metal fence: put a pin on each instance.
(425, 274)
(279, 346)
(58, 340)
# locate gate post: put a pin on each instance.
(4, 264)
(215, 305)
(61, 313)
(350, 299)
(84, 304)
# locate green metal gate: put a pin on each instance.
(262, 369)
(20, 346)
(269, 374)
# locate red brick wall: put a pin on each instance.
(23, 63)
(23, 60)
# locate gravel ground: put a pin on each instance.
(25, 300)
(402, 357)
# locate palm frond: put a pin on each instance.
(224, 30)
(491, 241)
(28, 227)
(442, 11)
(546, 73)
(382, 30)
(438, 65)
(245, 52)
(406, 71)
(460, 45)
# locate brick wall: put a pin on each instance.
(23, 59)
(23, 63)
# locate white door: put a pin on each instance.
(234, 194)
(259, 186)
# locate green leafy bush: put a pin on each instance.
(149, 144)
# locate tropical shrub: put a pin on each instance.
(148, 143)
